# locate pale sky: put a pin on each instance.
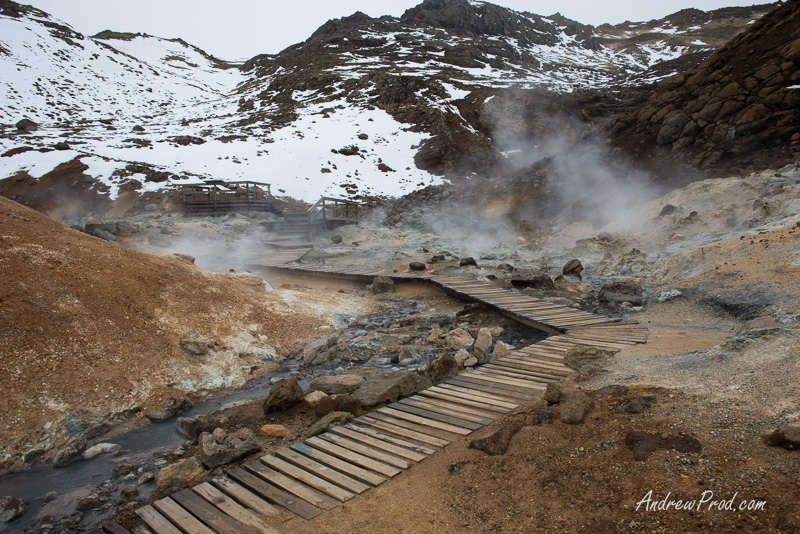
(241, 29)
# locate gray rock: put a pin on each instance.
(553, 393)
(442, 366)
(70, 451)
(785, 436)
(10, 508)
(526, 277)
(619, 292)
(575, 408)
(382, 284)
(318, 351)
(125, 229)
(130, 492)
(334, 385)
(27, 125)
(194, 344)
(572, 268)
(326, 423)
(100, 448)
(637, 404)
(102, 234)
(409, 356)
(146, 478)
(390, 386)
(283, 396)
(180, 474)
(170, 409)
(337, 403)
(588, 361)
(670, 294)
(221, 448)
(483, 345)
(88, 503)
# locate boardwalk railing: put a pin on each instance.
(330, 212)
(217, 197)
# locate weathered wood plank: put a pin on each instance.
(441, 407)
(321, 470)
(234, 509)
(363, 475)
(435, 415)
(463, 399)
(353, 457)
(156, 521)
(307, 478)
(363, 427)
(366, 450)
(273, 494)
(398, 414)
(245, 497)
(308, 494)
(207, 513)
(358, 434)
(110, 527)
(179, 516)
(404, 428)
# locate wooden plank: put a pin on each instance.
(511, 376)
(463, 400)
(273, 494)
(532, 370)
(310, 495)
(398, 414)
(321, 470)
(352, 457)
(207, 513)
(482, 396)
(435, 415)
(358, 434)
(111, 527)
(403, 428)
(473, 383)
(348, 468)
(377, 434)
(493, 384)
(307, 478)
(452, 408)
(366, 450)
(245, 497)
(234, 509)
(156, 521)
(141, 529)
(509, 381)
(180, 517)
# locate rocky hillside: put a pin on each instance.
(367, 106)
(737, 108)
(94, 332)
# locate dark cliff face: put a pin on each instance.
(738, 108)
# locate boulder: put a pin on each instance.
(408, 356)
(382, 284)
(100, 448)
(461, 356)
(221, 448)
(334, 385)
(194, 344)
(416, 266)
(338, 403)
(27, 125)
(553, 393)
(130, 492)
(467, 262)
(525, 277)
(70, 451)
(326, 423)
(336, 240)
(318, 351)
(619, 292)
(572, 268)
(283, 395)
(637, 404)
(91, 502)
(483, 345)
(170, 409)
(61, 145)
(181, 474)
(278, 431)
(501, 349)
(575, 408)
(497, 442)
(442, 366)
(389, 386)
(313, 398)
(785, 436)
(10, 508)
(460, 339)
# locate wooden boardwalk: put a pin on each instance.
(320, 473)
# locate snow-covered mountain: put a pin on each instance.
(378, 106)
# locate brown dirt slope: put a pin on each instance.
(738, 107)
(92, 328)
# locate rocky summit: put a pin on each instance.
(450, 90)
